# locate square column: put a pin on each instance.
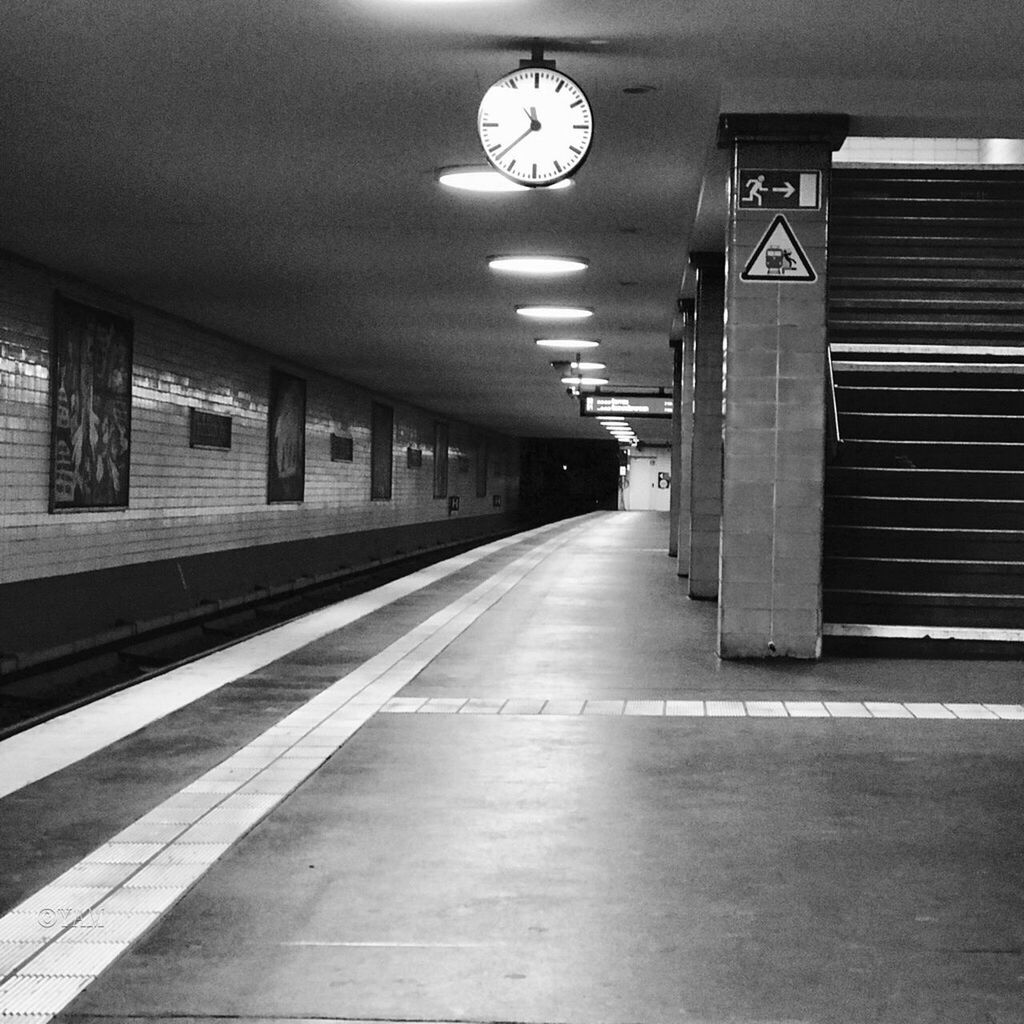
(706, 448)
(774, 436)
(685, 437)
(682, 433)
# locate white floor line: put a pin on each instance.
(44, 749)
(60, 939)
(720, 708)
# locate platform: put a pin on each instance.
(520, 787)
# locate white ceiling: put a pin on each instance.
(268, 167)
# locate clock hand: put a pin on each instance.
(532, 115)
(515, 142)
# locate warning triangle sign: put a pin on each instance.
(778, 257)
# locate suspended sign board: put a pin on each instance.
(764, 189)
(626, 404)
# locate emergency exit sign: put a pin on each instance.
(771, 189)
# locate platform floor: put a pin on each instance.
(522, 791)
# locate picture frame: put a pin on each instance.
(286, 438)
(91, 408)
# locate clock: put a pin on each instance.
(535, 125)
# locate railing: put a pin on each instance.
(834, 438)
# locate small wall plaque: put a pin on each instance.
(414, 457)
(341, 448)
(208, 430)
(453, 503)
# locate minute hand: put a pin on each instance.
(515, 142)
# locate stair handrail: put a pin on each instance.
(835, 438)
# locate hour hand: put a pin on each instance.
(532, 115)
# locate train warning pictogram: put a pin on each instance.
(778, 257)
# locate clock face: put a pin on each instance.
(535, 125)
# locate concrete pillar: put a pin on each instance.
(706, 464)
(682, 436)
(676, 345)
(774, 437)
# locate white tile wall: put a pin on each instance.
(186, 501)
(863, 149)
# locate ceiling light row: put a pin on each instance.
(485, 179)
(619, 429)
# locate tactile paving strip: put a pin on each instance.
(870, 709)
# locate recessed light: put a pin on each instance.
(577, 365)
(555, 312)
(537, 264)
(584, 382)
(480, 178)
(574, 343)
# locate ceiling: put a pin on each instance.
(267, 168)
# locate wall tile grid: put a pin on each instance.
(186, 501)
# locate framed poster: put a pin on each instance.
(91, 403)
(286, 449)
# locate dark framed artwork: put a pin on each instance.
(286, 435)
(91, 388)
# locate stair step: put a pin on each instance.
(932, 454)
(949, 513)
(921, 576)
(926, 426)
(911, 328)
(916, 183)
(969, 307)
(927, 208)
(885, 481)
(911, 282)
(972, 634)
(904, 608)
(850, 264)
(923, 542)
(884, 397)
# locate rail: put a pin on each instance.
(834, 438)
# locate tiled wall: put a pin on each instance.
(863, 149)
(186, 501)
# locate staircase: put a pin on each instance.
(924, 497)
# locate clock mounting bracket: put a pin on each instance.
(536, 58)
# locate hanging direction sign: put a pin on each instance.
(772, 189)
(624, 403)
(778, 257)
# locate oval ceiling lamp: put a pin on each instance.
(584, 382)
(547, 265)
(573, 343)
(577, 365)
(555, 312)
(483, 178)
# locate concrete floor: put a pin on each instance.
(575, 868)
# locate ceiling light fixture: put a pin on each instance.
(481, 178)
(583, 382)
(577, 365)
(537, 264)
(555, 312)
(573, 343)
